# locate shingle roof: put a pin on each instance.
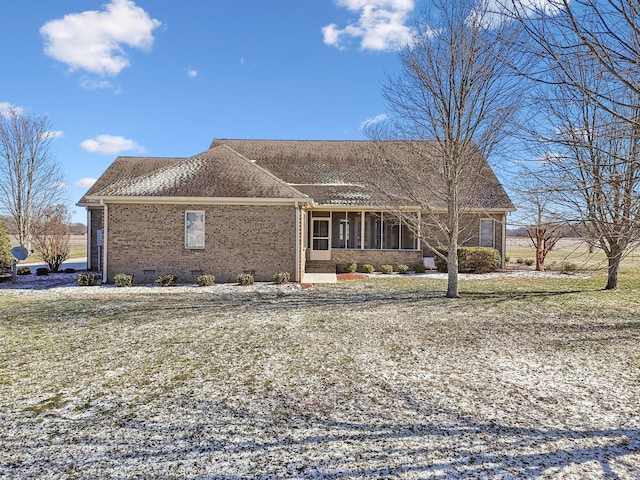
(218, 172)
(348, 172)
(329, 172)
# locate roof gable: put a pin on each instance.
(217, 173)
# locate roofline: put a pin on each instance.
(186, 200)
(293, 140)
(351, 207)
(367, 208)
(265, 201)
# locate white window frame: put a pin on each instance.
(194, 234)
(492, 242)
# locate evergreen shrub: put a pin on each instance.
(206, 280)
(281, 277)
(123, 280)
(368, 268)
(245, 279)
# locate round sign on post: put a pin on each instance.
(20, 252)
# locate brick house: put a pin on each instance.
(266, 206)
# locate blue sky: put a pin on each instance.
(163, 78)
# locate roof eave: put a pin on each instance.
(186, 200)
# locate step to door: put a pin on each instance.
(315, 266)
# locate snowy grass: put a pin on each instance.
(526, 376)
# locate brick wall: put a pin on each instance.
(471, 229)
(470, 232)
(148, 241)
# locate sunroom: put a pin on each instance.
(363, 236)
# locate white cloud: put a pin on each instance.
(6, 108)
(85, 182)
(94, 40)
(53, 134)
(381, 24)
(94, 84)
(373, 120)
(111, 145)
(191, 73)
(493, 12)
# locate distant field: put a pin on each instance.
(78, 244)
(571, 250)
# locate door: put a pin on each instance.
(320, 239)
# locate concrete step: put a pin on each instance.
(317, 266)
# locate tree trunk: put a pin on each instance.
(612, 272)
(452, 271)
(540, 249)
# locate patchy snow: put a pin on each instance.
(69, 280)
(350, 381)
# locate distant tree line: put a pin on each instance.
(563, 231)
(75, 228)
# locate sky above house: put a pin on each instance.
(162, 78)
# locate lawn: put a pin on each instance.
(525, 376)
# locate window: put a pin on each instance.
(409, 240)
(487, 232)
(339, 230)
(391, 235)
(373, 230)
(355, 225)
(346, 228)
(194, 230)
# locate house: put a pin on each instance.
(266, 206)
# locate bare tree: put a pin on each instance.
(588, 67)
(51, 234)
(536, 212)
(30, 177)
(454, 89)
(608, 31)
(543, 233)
(594, 161)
